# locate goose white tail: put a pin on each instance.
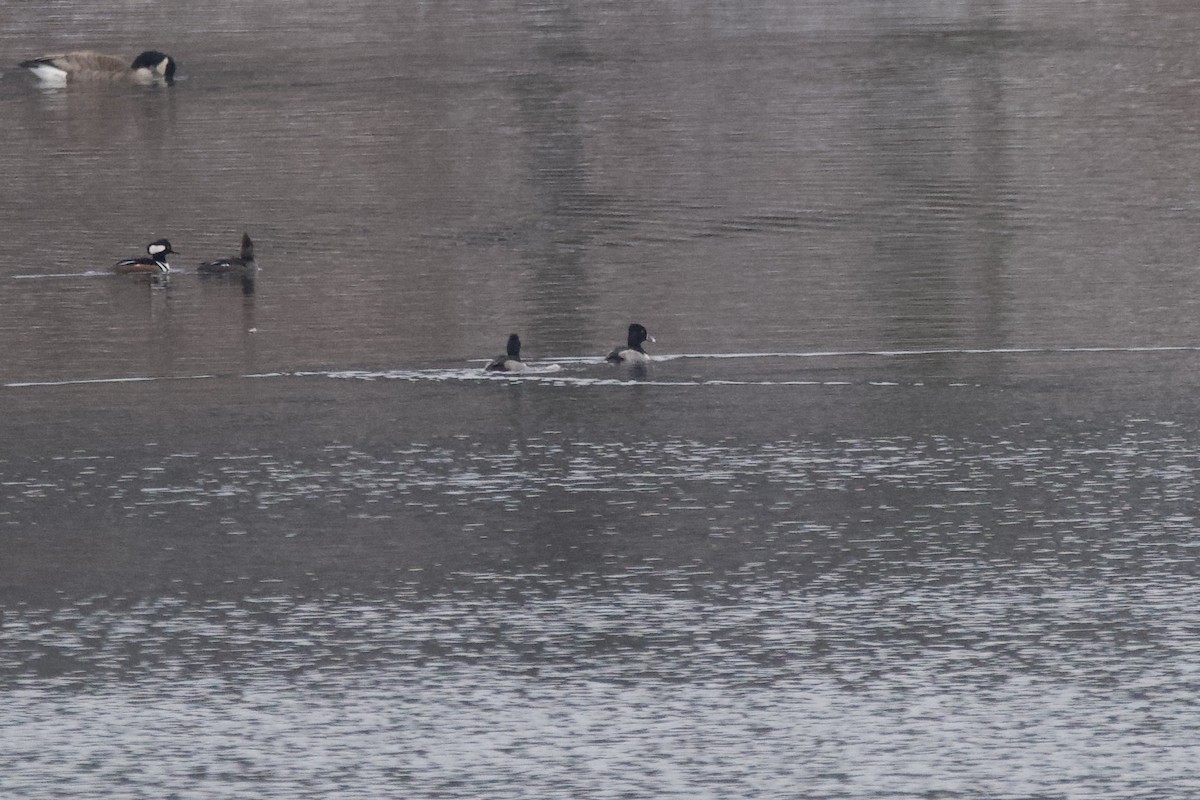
(48, 74)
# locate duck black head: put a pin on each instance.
(160, 247)
(637, 335)
(247, 253)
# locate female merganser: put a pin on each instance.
(240, 266)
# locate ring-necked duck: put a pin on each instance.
(85, 66)
(511, 360)
(158, 250)
(632, 353)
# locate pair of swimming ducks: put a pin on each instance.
(631, 353)
(157, 252)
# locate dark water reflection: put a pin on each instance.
(904, 508)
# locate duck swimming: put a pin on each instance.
(156, 264)
(632, 352)
(511, 360)
(237, 266)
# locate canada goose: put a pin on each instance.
(632, 353)
(511, 360)
(155, 264)
(239, 266)
(85, 66)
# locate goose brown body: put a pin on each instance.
(86, 66)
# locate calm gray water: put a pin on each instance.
(905, 507)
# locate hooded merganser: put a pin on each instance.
(511, 360)
(240, 266)
(632, 353)
(157, 264)
(85, 66)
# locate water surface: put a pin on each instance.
(904, 507)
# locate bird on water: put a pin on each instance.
(87, 67)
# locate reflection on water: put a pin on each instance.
(903, 507)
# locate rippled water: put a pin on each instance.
(904, 507)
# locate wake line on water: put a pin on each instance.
(86, 381)
(943, 352)
(551, 369)
(92, 273)
(948, 351)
